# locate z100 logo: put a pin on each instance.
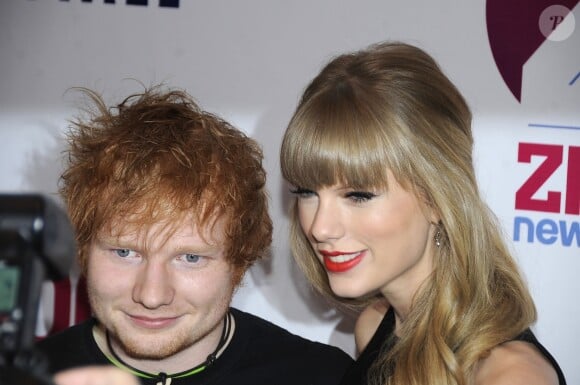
(548, 231)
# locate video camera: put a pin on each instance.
(36, 243)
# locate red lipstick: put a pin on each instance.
(339, 262)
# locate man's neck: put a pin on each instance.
(182, 361)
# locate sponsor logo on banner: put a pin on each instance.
(516, 29)
(554, 229)
(162, 3)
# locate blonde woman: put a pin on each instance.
(387, 209)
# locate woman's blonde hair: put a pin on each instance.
(391, 107)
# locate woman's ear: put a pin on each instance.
(431, 212)
(433, 215)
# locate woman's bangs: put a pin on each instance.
(335, 148)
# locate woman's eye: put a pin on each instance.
(302, 192)
(124, 253)
(360, 196)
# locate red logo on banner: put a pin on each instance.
(553, 155)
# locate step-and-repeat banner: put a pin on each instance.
(517, 63)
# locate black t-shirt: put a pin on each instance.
(357, 373)
(259, 353)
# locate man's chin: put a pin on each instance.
(146, 353)
(143, 347)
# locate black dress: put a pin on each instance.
(357, 373)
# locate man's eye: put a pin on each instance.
(192, 258)
(124, 253)
(302, 192)
(360, 196)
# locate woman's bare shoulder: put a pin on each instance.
(368, 321)
(515, 363)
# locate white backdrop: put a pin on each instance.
(249, 61)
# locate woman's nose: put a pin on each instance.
(327, 223)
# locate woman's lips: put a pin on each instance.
(339, 262)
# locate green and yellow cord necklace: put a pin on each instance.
(164, 378)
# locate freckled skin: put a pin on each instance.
(162, 301)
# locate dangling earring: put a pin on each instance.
(438, 238)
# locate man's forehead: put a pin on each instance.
(186, 225)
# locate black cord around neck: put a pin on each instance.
(162, 377)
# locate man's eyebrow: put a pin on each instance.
(111, 239)
(203, 247)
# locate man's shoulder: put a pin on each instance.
(269, 334)
(73, 334)
(263, 352)
(70, 347)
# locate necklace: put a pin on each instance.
(162, 377)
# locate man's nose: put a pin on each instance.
(154, 285)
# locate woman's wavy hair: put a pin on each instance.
(157, 157)
(391, 107)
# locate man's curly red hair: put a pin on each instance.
(158, 157)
